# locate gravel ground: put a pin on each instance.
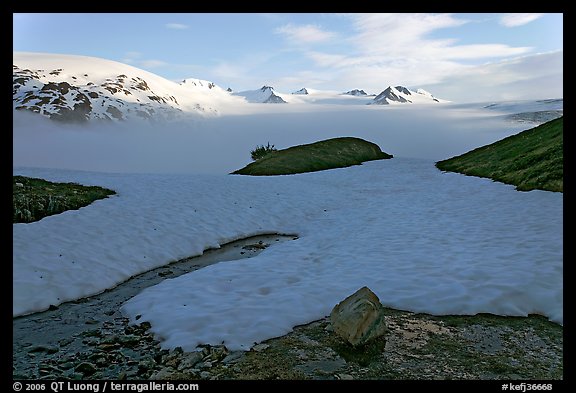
(90, 339)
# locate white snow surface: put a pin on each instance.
(422, 240)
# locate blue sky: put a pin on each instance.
(460, 57)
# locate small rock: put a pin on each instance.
(93, 341)
(92, 333)
(189, 360)
(218, 353)
(205, 350)
(85, 368)
(108, 346)
(45, 369)
(129, 340)
(48, 377)
(65, 342)
(359, 318)
(173, 358)
(164, 374)
(205, 375)
(260, 347)
(255, 246)
(345, 377)
(91, 321)
(233, 357)
(43, 348)
(204, 365)
(146, 364)
(308, 341)
(19, 185)
(66, 365)
(111, 339)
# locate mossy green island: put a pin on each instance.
(327, 154)
(530, 160)
(34, 199)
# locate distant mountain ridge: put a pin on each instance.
(403, 95)
(303, 91)
(265, 94)
(355, 92)
(81, 88)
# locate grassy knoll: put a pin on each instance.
(318, 156)
(531, 159)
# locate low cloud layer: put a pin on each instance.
(223, 144)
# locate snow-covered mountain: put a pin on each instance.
(355, 92)
(265, 94)
(302, 91)
(80, 88)
(403, 95)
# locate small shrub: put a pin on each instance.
(262, 151)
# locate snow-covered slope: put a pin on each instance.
(403, 95)
(453, 245)
(265, 94)
(80, 88)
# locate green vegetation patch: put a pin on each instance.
(34, 199)
(532, 159)
(328, 154)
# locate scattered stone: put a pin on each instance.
(260, 347)
(233, 357)
(359, 318)
(165, 374)
(255, 246)
(92, 333)
(146, 364)
(344, 377)
(19, 185)
(65, 342)
(66, 365)
(205, 375)
(45, 369)
(322, 367)
(108, 346)
(218, 353)
(204, 365)
(91, 321)
(85, 368)
(43, 348)
(129, 340)
(189, 360)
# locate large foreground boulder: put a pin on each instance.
(359, 318)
